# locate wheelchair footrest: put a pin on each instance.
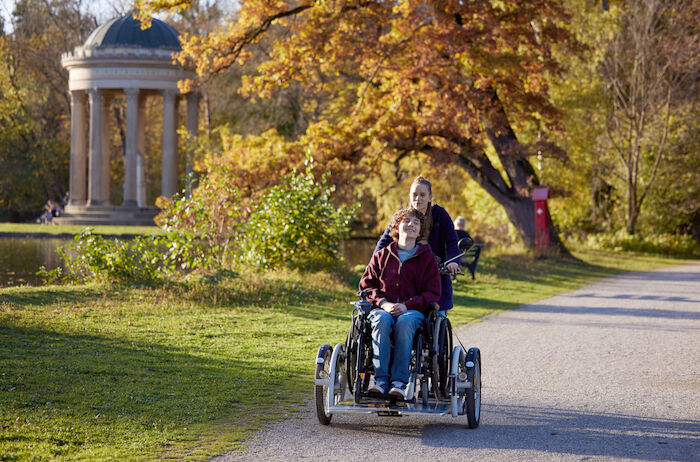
(391, 410)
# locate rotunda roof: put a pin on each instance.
(126, 32)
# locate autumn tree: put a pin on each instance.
(34, 103)
(450, 79)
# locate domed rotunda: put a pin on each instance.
(121, 58)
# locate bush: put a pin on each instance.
(662, 244)
(203, 229)
(91, 257)
(296, 224)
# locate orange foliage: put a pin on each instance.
(442, 77)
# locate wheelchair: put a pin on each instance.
(443, 378)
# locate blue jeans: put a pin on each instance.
(403, 328)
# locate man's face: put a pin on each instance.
(409, 227)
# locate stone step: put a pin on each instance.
(107, 215)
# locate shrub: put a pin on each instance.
(296, 224)
(663, 244)
(203, 229)
(91, 257)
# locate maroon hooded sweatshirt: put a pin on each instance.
(415, 282)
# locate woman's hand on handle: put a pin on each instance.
(453, 268)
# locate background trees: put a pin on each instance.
(650, 75)
(629, 111)
(34, 141)
(488, 98)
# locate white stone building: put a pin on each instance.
(120, 58)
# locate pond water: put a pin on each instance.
(21, 258)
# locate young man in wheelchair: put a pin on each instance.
(401, 281)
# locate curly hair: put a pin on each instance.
(399, 217)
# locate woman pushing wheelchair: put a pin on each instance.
(401, 281)
(438, 232)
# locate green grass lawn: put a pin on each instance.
(192, 370)
(34, 229)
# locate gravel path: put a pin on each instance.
(607, 372)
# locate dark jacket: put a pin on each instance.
(415, 282)
(443, 242)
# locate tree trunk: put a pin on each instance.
(519, 208)
(521, 213)
(514, 195)
(632, 208)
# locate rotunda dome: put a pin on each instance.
(125, 32)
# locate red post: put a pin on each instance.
(540, 196)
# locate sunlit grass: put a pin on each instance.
(34, 229)
(191, 370)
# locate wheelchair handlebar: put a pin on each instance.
(362, 305)
(464, 245)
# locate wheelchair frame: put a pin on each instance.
(343, 372)
(458, 392)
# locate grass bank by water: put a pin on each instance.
(37, 230)
(191, 370)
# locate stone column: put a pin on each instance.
(106, 144)
(132, 123)
(169, 166)
(77, 148)
(95, 180)
(141, 150)
(192, 126)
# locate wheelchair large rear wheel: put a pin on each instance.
(420, 384)
(360, 377)
(351, 358)
(442, 348)
(358, 361)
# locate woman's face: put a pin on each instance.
(409, 228)
(420, 196)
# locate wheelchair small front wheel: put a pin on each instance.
(321, 392)
(472, 404)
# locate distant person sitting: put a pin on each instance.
(65, 200)
(460, 224)
(46, 217)
(55, 209)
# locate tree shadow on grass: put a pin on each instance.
(524, 268)
(41, 296)
(294, 299)
(63, 392)
(483, 303)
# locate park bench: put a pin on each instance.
(471, 258)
